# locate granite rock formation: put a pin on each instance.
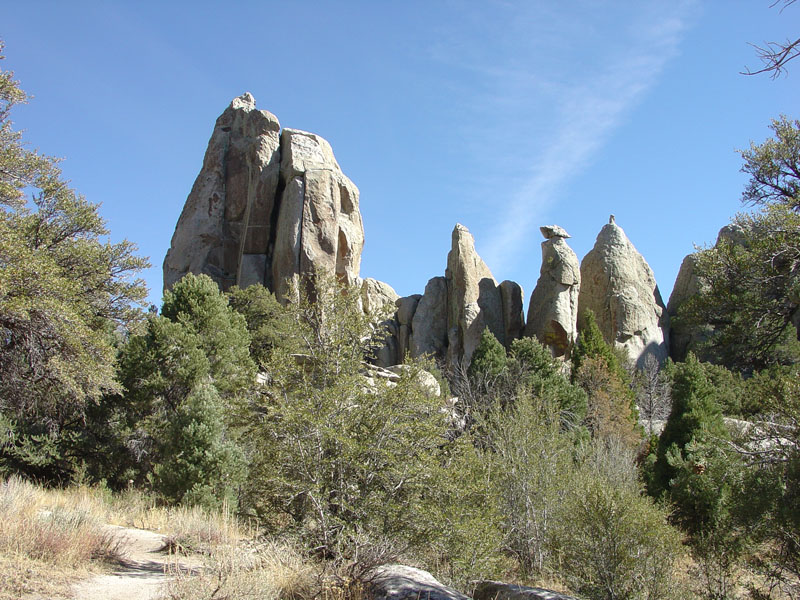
(267, 207)
(685, 336)
(473, 299)
(429, 324)
(618, 285)
(553, 309)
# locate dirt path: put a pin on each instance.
(142, 572)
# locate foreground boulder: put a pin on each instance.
(618, 285)
(553, 309)
(399, 582)
(267, 207)
(494, 590)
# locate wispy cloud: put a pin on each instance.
(556, 116)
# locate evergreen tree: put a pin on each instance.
(695, 417)
(263, 314)
(489, 358)
(64, 290)
(199, 464)
(196, 303)
(192, 361)
(532, 365)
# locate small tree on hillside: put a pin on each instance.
(695, 416)
(653, 392)
(192, 361)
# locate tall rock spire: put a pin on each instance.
(553, 309)
(266, 207)
(618, 285)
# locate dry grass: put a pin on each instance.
(49, 538)
(268, 571)
(63, 528)
(188, 529)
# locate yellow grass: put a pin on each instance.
(188, 528)
(268, 571)
(63, 527)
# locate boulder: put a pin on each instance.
(473, 299)
(424, 380)
(682, 336)
(399, 582)
(267, 207)
(618, 285)
(406, 307)
(495, 590)
(553, 309)
(377, 296)
(378, 300)
(429, 325)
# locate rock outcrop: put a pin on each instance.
(378, 300)
(512, 296)
(553, 309)
(429, 324)
(682, 336)
(618, 285)
(473, 299)
(446, 321)
(267, 207)
(687, 336)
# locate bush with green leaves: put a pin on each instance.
(614, 542)
(532, 458)
(344, 462)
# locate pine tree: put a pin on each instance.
(64, 291)
(695, 417)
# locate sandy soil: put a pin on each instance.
(144, 569)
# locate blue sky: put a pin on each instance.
(500, 115)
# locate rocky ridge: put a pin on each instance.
(270, 205)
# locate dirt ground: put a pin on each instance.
(146, 566)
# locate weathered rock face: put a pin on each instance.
(681, 336)
(553, 309)
(618, 285)
(473, 299)
(267, 207)
(377, 295)
(513, 316)
(429, 324)
(378, 299)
